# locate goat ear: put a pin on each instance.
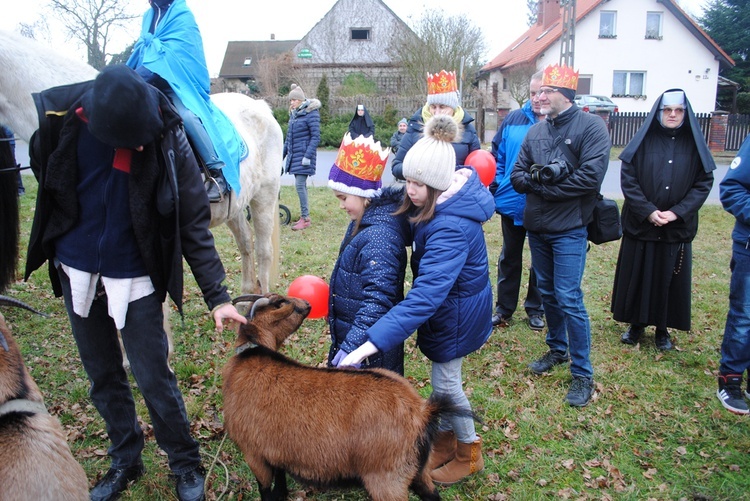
(3, 342)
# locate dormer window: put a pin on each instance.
(653, 25)
(360, 33)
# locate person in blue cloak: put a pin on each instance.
(169, 55)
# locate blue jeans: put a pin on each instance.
(446, 380)
(735, 346)
(300, 183)
(146, 345)
(559, 260)
(196, 132)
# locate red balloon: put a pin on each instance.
(485, 165)
(312, 289)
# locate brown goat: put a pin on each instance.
(326, 427)
(35, 460)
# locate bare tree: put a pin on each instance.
(272, 72)
(441, 43)
(517, 79)
(93, 22)
(533, 12)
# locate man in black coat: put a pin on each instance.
(560, 167)
(120, 203)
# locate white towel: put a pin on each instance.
(120, 292)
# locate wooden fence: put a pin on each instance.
(623, 126)
(738, 128)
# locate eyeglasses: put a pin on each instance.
(548, 91)
(676, 111)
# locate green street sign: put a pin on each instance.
(304, 54)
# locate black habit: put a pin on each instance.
(667, 170)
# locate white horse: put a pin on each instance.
(27, 66)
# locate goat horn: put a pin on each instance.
(264, 301)
(3, 342)
(9, 301)
(246, 298)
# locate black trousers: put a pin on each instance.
(509, 270)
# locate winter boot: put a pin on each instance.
(216, 186)
(468, 460)
(443, 449)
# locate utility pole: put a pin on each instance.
(568, 38)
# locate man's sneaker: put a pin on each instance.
(730, 393)
(747, 392)
(115, 481)
(580, 391)
(548, 361)
(190, 485)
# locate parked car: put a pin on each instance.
(592, 104)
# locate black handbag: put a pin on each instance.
(605, 225)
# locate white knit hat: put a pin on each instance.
(432, 159)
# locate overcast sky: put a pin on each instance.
(221, 21)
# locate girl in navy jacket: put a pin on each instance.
(450, 302)
(368, 278)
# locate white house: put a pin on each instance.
(630, 50)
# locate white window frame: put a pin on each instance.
(631, 78)
(650, 33)
(607, 17)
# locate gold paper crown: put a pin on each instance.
(560, 76)
(362, 157)
(441, 83)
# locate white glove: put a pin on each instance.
(305, 161)
(359, 354)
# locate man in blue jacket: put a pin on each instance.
(510, 204)
(735, 347)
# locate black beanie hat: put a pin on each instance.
(122, 109)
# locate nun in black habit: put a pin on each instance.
(666, 175)
(361, 123)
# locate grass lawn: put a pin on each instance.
(655, 430)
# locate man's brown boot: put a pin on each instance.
(443, 449)
(468, 460)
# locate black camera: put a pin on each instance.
(554, 171)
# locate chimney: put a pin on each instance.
(548, 12)
(273, 36)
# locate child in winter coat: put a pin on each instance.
(450, 302)
(368, 278)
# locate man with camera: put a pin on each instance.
(560, 168)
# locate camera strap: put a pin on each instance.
(560, 143)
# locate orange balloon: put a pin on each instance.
(485, 165)
(312, 289)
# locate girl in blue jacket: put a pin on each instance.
(450, 302)
(368, 278)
